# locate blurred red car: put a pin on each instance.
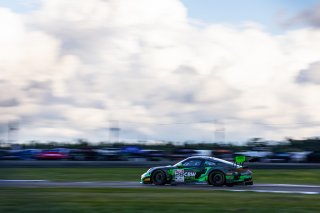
(52, 155)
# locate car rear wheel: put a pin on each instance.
(217, 178)
(159, 178)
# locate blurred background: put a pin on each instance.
(101, 90)
(256, 150)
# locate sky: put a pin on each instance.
(268, 13)
(179, 70)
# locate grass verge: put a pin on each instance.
(300, 176)
(150, 200)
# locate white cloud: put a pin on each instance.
(71, 66)
(310, 75)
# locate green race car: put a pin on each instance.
(213, 171)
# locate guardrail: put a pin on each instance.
(136, 164)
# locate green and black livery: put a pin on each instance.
(212, 171)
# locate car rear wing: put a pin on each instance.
(239, 161)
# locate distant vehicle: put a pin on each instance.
(203, 152)
(279, 157)
(132, 153)
(29, 154)
(83, 154)
(314, 157)
(255, 156)
(223, 154)
(299, 157)
(180, 154)
(62, 150)
(53, 154)
(10, 155)
(154, 155)
(108, 153)
(210, 170)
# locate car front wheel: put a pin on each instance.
(159, 178)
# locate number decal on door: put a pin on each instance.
(179, 175)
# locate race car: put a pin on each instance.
(210, 170)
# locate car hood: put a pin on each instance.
(161, 167)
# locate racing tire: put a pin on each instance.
(217, 178)
(159, 178)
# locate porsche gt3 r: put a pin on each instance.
(213, 171)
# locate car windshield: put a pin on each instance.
(180, 162)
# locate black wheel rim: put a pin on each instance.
(217, 178)
(158, 177)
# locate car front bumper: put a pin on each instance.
(146, 178)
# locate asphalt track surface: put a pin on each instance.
(265, 188)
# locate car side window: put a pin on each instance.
(209, 163)
(191, 163)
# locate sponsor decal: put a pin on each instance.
(189, 174)
(180, 175)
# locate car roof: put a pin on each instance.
(199, 157)
(206, 158)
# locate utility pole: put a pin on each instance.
(219, 133)
(114, 131)
(13, 130)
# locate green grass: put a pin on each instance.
(150, 200)
(73, 174)
(300, 176)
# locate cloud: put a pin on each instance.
(310, 16)
(311, 74)
(72, 67)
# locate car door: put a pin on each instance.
(189, 171)
(208, 165)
